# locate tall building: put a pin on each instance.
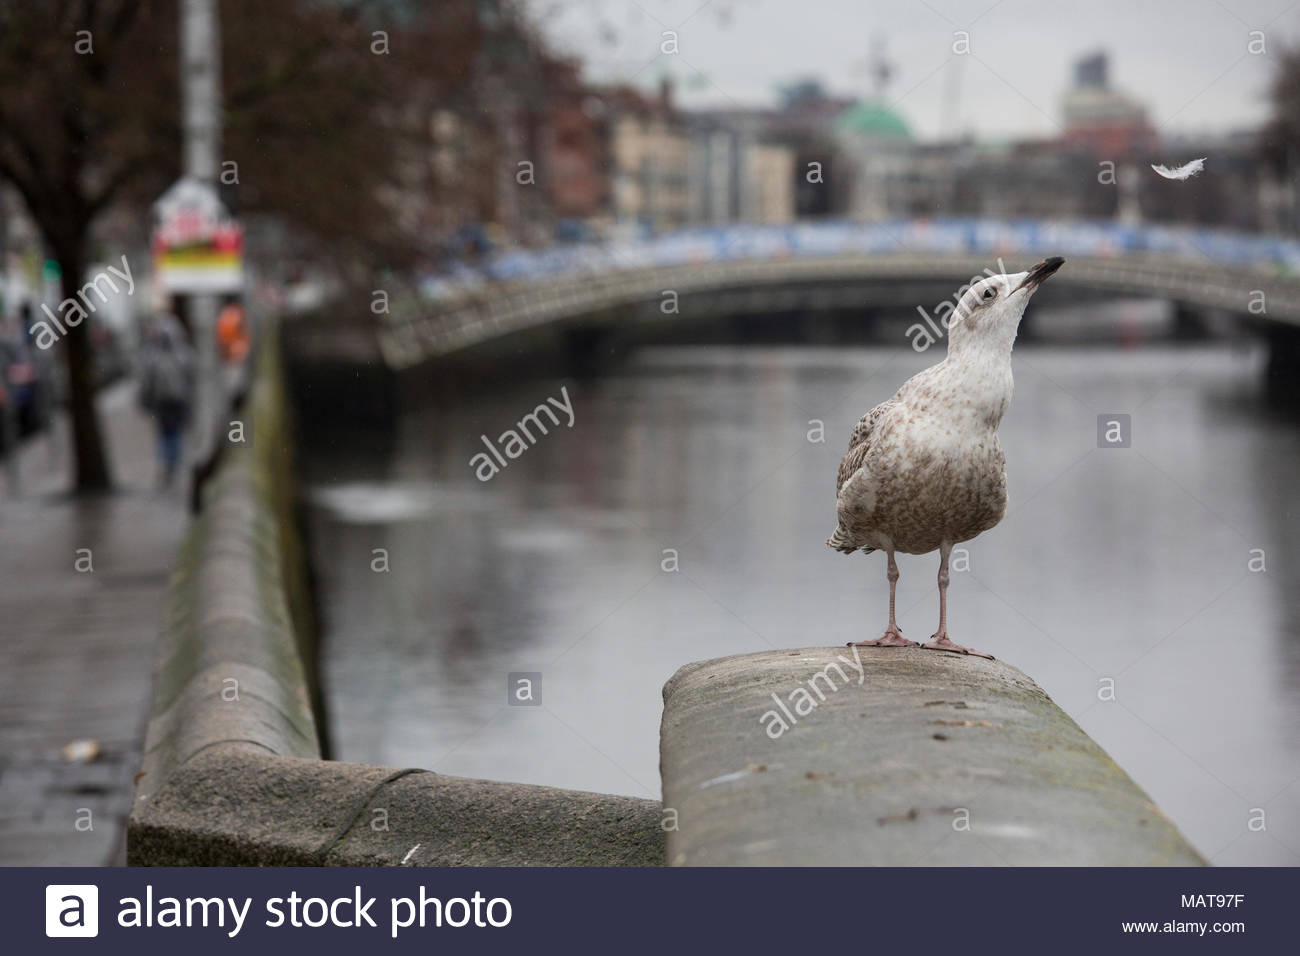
(804, 122)
(650, 160)
(737, 173)
(1103, 120)
(575, 146)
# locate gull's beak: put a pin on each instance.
(1039, 273)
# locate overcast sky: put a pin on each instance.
(1187, 60)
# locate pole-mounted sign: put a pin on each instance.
(197, 246)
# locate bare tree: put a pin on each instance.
(328, 110)
(87, 108)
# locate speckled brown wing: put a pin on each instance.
(860, 443)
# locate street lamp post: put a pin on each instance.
(200, 42)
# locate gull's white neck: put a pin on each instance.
(980, 372)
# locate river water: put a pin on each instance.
(682, 516)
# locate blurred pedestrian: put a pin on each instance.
(232, 333)
(234, 342)
(167, 388)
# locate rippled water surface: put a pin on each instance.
(1130, 565)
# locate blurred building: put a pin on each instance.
(576, 147)
(669, 169)
(1236, 191)
(649, 159)
(737, 175)
(1101, 119)
(619, 156)
(879, 147)
(1028, 179)
(804, 122)
(770, 171)
(461, 143)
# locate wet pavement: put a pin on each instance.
(78, 644)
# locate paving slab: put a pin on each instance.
(77, 645)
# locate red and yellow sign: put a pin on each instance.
(197, 246)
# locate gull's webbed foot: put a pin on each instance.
(891, 638)
(940, 642)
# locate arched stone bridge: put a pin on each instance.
(470, 317)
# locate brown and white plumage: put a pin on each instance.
(924, 470)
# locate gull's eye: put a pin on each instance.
(989, 293)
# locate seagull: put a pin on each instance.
(924, 470)
(1186, 171)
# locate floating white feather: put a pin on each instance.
(1182, 172)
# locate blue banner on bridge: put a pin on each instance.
(983, 237)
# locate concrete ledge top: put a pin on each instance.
(235, 803)
(892, 756)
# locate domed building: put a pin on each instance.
(878, 145)
(873, 121)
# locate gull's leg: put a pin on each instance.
(892, 637)
(940, 640)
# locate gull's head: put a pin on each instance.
(989, 311)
